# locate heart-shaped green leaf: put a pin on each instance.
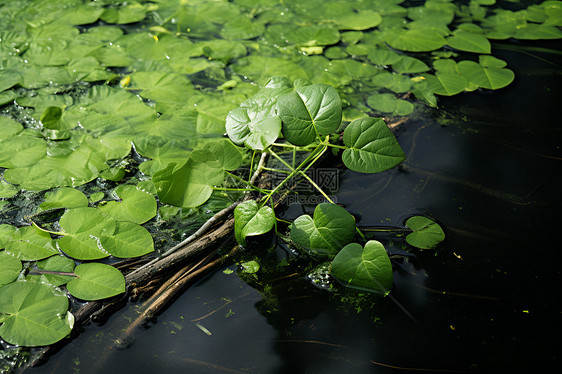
(84, 228)
(309, 112)
(427, 233)
(372, 146)
(129, 240)
(491, 78)
(64, 197)
(366, 268)
(96, 281)
(252, 127)
(190, 184)
(135, 205)
(327, 232)
(250, 220)
(470, 42)
(34, 314)
(29, 244)
(10, 268)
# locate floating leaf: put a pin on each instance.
(190, 184)
(415, 40)
(388, 103)
(34, 314)
(372, 147)
(7, 190)
(486, 77)
(55, 263)
(248, 126)
(135, 205)
(10, 267)
(327, 232)
(8, 128)
(29, 244)
(309, 112)
(407, 65)
(250, 220)
(427, 233)
(84, 228)
(470, 42)
(96, 281)
(64, 197)
(21, 151)
(128, 240)
(367, 268)
(446, 84)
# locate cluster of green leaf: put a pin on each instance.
(305, 116)
(38, 314)
(85, 86)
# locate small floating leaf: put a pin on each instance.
(367, 268)
(427, 233)
(96, 281)
(84, 228)
(129, 240)
(64, 197)
(136, 205)
(250, 220)
(309, 112)
(470, 42)
(492, 78)
(327, 232)
(372, 147)
(34, 314)
(10, 268)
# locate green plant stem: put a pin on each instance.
(304, 175)
(293, 173)
(249, 184)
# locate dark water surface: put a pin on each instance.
(486, 166)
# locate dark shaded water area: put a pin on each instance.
(485, 166)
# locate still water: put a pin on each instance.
(486, 167)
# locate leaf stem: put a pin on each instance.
(303, 174)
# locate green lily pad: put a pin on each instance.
(247, 126)
(250, 220)
(134, 205)
(84, 228)
(486, 77)
(372, 147)
(7, 190)
(331, 228)
(10, 268)
(388, 103)
(415, 40)
(367, 268)
(470, 42)
(34, 314)
(129, 240)
(64, 197)
(445, 83)
(309, 112)
(29, 244)
(426, 233)
(189, 184)
(96, 281)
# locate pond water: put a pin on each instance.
(486, 167)
(484, 164)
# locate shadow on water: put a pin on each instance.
(485, 166)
